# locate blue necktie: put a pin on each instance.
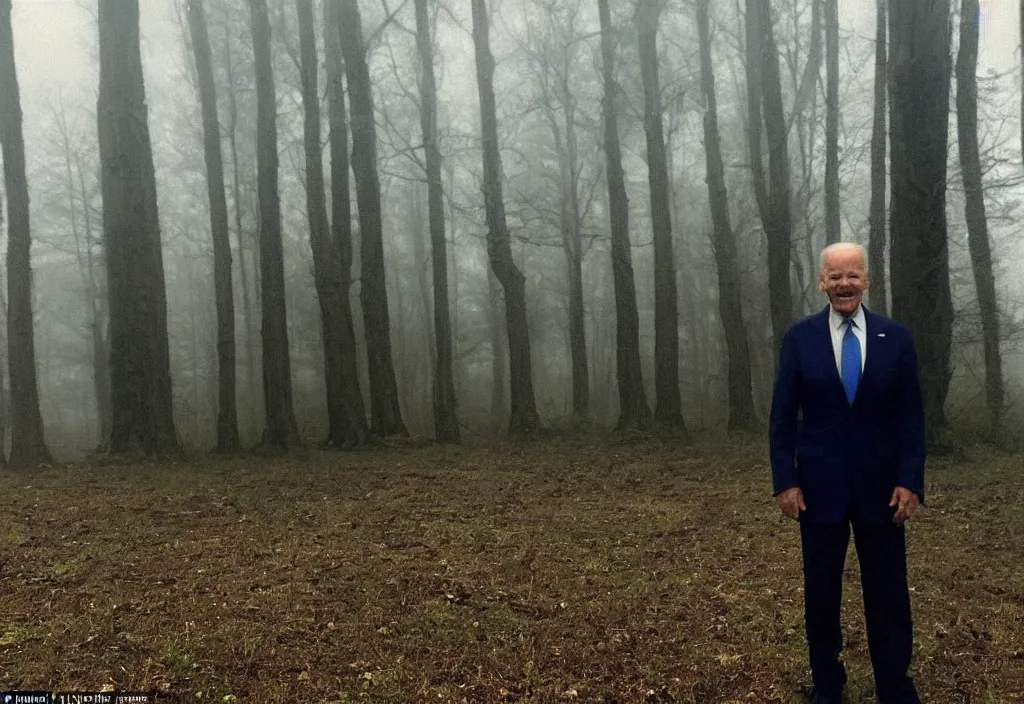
(850, 361)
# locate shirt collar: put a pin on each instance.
(836, 320)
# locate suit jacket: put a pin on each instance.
(847, 459)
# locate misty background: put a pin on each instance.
(57, 63)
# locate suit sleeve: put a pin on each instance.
(911, 415)
(783, 423)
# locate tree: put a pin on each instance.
(919, 84)
(523, 418)
(385, 412)
(974, 195)
(330, 280)
(832, 224)
(667, 410)
(141, 397)
(730, 305)
(353, 429)
(28, 446)
(281, 430)
(446, 422)
(878, 294)
(633, 408)
(227, 410)
(764, 88)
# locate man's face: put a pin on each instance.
(844, 279)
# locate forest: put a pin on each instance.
(409, 350)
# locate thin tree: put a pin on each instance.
(974, 196)
(633, 408)
(764, 88)
(28, 446)
(227, 409)
(833, 231)
(730, 304)
(919, 84)
(878, 295)
(668, 407)
(141, 396)
(446, 422)
(281, 430)
(236, 201)
(354, 428)
(385, 412)
(523, 418)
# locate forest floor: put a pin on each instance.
(554, 571)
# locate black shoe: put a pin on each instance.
(814, 697)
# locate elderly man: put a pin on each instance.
(847, 449)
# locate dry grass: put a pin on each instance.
(548, 572)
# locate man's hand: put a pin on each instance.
(791, 501)
(906, 502)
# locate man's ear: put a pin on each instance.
(821, 284)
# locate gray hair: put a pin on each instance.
(841, 247)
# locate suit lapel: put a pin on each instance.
(827, 353)
(877, 348)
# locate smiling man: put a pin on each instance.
(847, 450)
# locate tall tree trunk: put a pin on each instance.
(142, 401)
(329, 279)
(28, 446)
(281, 430)
(773, 195)
(499, 378)
(523, 418)
(236, 198)
(572, 238)
(974, 195)
(668, 407)
(100, 323)
(730, 305)
(833, 231)
(354, 428)
(385, 412)
(878, 294)
(227, 409)
(446, 421)
(633, 408)
(919, 84)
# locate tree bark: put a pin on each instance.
(523, 418)
(730, 305)
(141, 396)
(833, 231)
(668, 407)
(236, 198)
(385, 412)
(281, 430)
(878, 293)
(227, 409)
(974, 195)
(354, 428)
(446, 422)
(28, 445)
(329, 279)
(919, 84)
(633, 408)
(773, 195)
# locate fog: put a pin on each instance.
(57, 63)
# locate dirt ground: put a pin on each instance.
(552, 571)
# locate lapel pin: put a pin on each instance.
(881, 334)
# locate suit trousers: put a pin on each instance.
(881, 551)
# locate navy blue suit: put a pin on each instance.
(847, 459)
